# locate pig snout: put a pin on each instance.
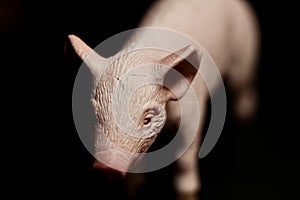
(109, 173)
(111, 166)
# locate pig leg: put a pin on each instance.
(242, 73)
(242, 85)
(187, 181)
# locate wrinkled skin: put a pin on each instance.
(125, 129)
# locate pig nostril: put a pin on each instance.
(107, 172)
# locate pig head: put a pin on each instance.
(129, 97)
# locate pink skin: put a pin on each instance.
(233, 49)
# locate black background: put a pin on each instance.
(42, 154)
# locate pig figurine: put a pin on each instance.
(227, 29)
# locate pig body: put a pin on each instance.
(227, 30)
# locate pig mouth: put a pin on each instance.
(116, 160)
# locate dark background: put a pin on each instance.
(42, 154)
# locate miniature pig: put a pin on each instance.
(227, 29)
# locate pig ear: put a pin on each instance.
(92, 59)
(184, 67)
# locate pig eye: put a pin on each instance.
(149, 114)
(147, 119)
